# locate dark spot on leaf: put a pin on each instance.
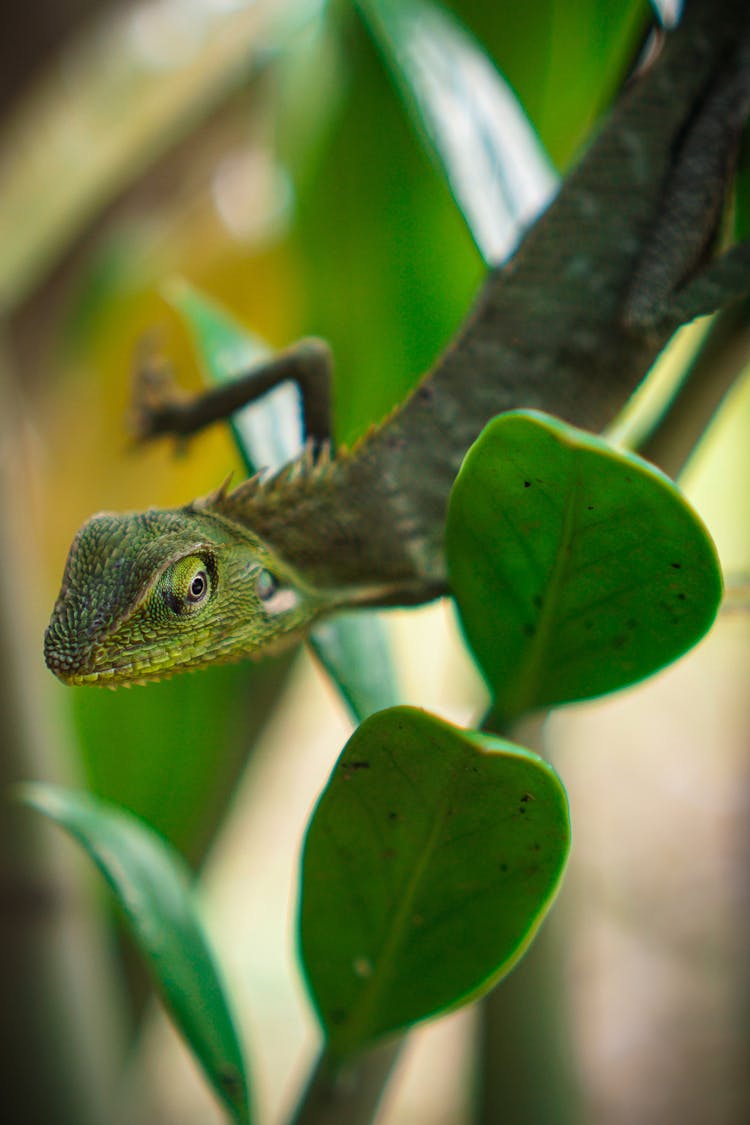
(393, 816)
(620, 641)
(676, 566)
(527, 797)
(527, 484)
(522, 808)
(417, 920)
(631, 623)
(588, 624)
(425, 392)
(682, 597)
(350, 767)
(589, 507)
(503, 866)
(537, 599)
(529, 630)
(230, 1080)
(536, 847)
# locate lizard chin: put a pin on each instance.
(102, 672)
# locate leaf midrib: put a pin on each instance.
(370, 995)
(525, 695)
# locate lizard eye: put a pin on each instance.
(187, 584)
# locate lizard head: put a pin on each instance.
(147, 594)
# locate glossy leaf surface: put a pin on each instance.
(577, 568)
(497, 169)
(431, 859)
(153, 887)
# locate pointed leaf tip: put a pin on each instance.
(153, 886)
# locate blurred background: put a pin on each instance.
(263, 152)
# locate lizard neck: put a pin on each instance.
(320, 515)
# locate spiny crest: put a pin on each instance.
(315, 467)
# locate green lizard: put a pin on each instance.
(570, 325)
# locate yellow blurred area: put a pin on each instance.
(88, 459)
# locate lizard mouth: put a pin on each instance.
(73, 666)
(59, 656)
(76, 668)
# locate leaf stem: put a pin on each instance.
(347, 1093)
(525, 1069)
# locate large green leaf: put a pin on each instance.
(497, 169)
(153, 887)
(388, 266)
(577, 568)
(431, 859)
(565, 61)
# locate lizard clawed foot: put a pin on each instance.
(158, 404)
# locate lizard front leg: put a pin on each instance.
(161, 407)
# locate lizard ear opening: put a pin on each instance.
(274, 598)
(266, 585)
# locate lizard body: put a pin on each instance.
(570, 325)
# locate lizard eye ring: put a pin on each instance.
(188, 584)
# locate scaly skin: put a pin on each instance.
(571, 325)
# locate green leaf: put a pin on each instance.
(387, 273)
(353, 649)
(497, 169)
(266, 432)
(577, 568)
(154, 888)
(431, 859)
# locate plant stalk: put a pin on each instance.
(347, 1093)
